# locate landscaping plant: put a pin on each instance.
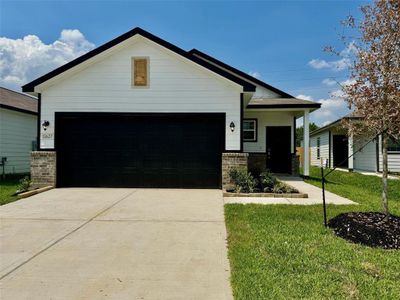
(244, 181)
(282, 188)
(24, 185)
(267, 181)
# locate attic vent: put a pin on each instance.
(140, 71)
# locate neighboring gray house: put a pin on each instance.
(332, 145)
(141, 112)
(18, 120)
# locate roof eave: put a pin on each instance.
(240, 73)
(261, 106)
(333, 124)
(30, 87)
(21, 110)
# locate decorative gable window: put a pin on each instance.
(140, 71)
(250, 130)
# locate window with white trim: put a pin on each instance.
(250, 130)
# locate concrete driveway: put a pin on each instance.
(82, 243)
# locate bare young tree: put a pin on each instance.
(374, 88)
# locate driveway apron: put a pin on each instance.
(82, 243)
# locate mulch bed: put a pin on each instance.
(368, 228)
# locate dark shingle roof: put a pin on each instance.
(351, 116)
(18, 101)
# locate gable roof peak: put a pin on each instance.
(247, 86)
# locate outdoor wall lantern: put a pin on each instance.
(232, 126)
(45, 124)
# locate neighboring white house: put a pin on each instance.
(18, 131)
(331, 145)
(139, 111)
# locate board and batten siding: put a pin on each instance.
(176, 85)
(265, 119)
(17, 132)
(324, 148)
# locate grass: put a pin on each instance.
(284, 252)
(8, 188)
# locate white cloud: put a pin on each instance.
(304, 97)
(22, 60)
(336, 65)
(329, 82)
(331, 109)
(255, 74)
(319, 63)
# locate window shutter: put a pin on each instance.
(140, 72)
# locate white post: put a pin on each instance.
(350, 152)
(306, 139)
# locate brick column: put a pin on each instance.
(43, 168)
(257, 163)
(232, 160)
(295, 165)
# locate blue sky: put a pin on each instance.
(281, 42)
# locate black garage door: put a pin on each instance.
(139, 150)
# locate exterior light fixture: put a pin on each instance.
(232, 126)
(45, 124)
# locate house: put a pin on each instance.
(332, 144)
(138, 111)
(18, 119)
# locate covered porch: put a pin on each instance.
(269, 134)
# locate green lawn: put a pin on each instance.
(8, 188)
(284, 252)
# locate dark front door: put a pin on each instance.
(340, 151)
(278, 149)
(139, 150)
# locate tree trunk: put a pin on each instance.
(385, 175)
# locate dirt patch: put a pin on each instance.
(368, 228)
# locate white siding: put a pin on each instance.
(265, 119)
(365, 160)
(324, 148)
(176, 85)
(260, 90)
(265, 93)
(393, 159)
(394, 162)
(17, 131)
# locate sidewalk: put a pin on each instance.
(314, 195)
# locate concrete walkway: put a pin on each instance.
(314, 195)
(115, 244)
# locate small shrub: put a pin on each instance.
(24, 185)
(267, 181)
(244, 182)
(281, 188)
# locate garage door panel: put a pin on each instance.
(132, 150)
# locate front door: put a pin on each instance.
(340, 151)
(278, 149)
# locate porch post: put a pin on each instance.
(306, 139)
(350, 152)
